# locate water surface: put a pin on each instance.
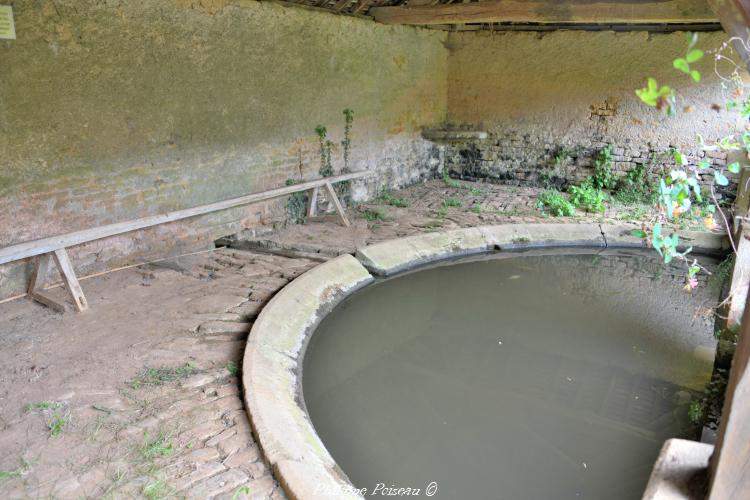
(532, 377)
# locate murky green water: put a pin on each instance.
(532, 377)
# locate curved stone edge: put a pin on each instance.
(391, 257)
(702, 242)
(272, 360)
(271, 367)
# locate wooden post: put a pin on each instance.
(39, 273)
(36, 284)
(312, 202)
(336, 203)
(730, 463)
(70, 280)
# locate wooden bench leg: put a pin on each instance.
(39, 273)
(312, 202)
(70, 280)
(336, 203)
(36, 284)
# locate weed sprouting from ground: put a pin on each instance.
(160, 376)
(56, 415)
(242, 490)
(372, 215)
(232, 368)
(158, 489)
(157, 446)
(555, 203)
(296, 205)
(44, 406)
(587, 197)
(19, 471)
(394, 201)
(452, 183)
(452, 202)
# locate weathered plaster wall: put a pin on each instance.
(114, 109)
(536, 93)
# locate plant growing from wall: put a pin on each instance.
(680, 189)
(604, 178)
(346, 144)
(296, 205)
(343, 189)
(326, 145)
(636, 187)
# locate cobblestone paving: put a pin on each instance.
(127, 436)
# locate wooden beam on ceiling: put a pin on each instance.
(550, 11)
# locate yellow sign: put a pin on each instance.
(7, 28)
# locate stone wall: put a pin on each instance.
(551, 101)
(112, 110)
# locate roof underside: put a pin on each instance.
(530, 15)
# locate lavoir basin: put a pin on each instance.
(537, 374)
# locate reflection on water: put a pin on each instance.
(531, 377)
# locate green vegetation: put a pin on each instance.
(43, 406)
(157, 446)
(636, 187)
(452, 183)
(555, 203)
(476, 208)
(475, 191)
(587, 197)
(56, 423)
(326, 167)
(232, 368)
(19, 471)
(604, 178)
(296, 205)
(160, 376)
(723, 273)
(56, 415)
(346, 144)
(372, 215)
(394, 201)
(695, 411)
(452, 202)
(242, 490)
(158, 489)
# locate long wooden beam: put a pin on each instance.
(47, 245)
(550, 12)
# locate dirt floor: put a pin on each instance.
(140, 396)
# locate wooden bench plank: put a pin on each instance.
(52, 243)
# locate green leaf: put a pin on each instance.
(638, 233)
(656, 231)
(694, 55)
(681, 64)
(721, 179)
(652, 85)
(704, 164)
(695, 75)
(734, 167)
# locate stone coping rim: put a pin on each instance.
(273, 358)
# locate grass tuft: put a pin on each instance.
(156, 447)
(160, 376)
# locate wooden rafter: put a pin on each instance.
(550, 11)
